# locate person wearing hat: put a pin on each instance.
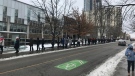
(1, 44)
(130, 58)
(17, 44)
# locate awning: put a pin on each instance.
(9, 32)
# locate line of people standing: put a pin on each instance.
(17, 44)
(37, 43)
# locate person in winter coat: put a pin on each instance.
(38, 43)
(43, 42)
(31, 44)
(78, 42)
(17, 44)
(130, 58)
(2, 45)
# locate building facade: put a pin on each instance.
(88, 5)
(104, 18)
(91, 8)
(18, 19)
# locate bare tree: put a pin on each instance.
(53, 11)
(128, 7)
(77, 24)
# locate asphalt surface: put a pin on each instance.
(121, 69)
(44, 65)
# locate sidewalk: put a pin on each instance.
(25, 50)
(121, 69)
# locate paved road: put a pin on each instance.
(80, 61)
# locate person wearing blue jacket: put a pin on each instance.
(130, 58)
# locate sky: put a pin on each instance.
(78, 3)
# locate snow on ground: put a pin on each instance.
(108, 68)
(25, 48)
(42, 53)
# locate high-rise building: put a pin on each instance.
(103, 17)
(88, 5)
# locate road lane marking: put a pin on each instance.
(71, 64)
(40, 63)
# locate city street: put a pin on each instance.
(72, 62)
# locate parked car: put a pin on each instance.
(121, 42)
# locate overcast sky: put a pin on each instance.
(78, 3)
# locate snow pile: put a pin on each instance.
(108, 68)
(25, 48)
(42, 53)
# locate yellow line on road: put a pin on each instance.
(40, 63)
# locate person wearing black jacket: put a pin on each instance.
(43, 42)
(16, 45)
(38, 43)
(31, 44)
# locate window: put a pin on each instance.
(16, 13)
(4, 27)
(1, 10)
(1, 16)
(38, 16)
(16, 16)
(4, 13)
(28, 15)
(1, 2)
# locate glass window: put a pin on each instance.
(26, 10)
(1, 2)
(16, 5)
(11, 27)
(18, 28)
(25, 28)
(13, 4)
(1, 27)
(12, 12)
(4, 13)
(4, 27)
(30, 30)
(14, 28)
(19, 11)
(12, 19)
(23, 11)
(16, 13)
(9, 11)
(5, 2)
(16, 16)
(9, 3)
(1, 10)
(28, 15)
(1, 17)
(38, 16)
(25, 22)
